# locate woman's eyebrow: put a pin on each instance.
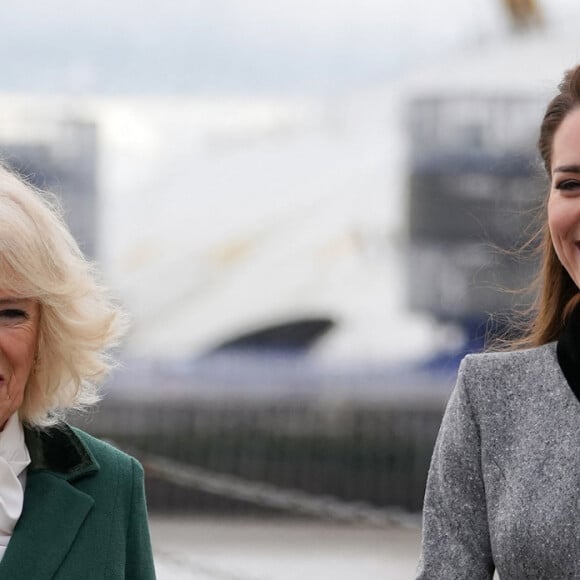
(4, 301)
(567, 169)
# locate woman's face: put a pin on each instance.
(564, 200)
(19, 322)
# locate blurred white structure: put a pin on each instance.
(222, 217)
(242, 215)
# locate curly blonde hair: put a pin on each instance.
(79, 323)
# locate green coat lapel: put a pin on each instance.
(53, 513)
(54, 509)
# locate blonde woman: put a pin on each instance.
(71, 506)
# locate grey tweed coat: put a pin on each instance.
(503, 490)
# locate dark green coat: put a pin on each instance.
(84, 514)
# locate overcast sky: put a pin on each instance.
(234, 45)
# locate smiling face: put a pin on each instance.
(19, 326)
(564, 200)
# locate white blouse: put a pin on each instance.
(14, 459)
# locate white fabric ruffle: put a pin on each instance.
(14, 459)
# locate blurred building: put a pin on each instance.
(476, 184)
(473, 192)
(59, 155)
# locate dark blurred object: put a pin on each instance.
(290, 337)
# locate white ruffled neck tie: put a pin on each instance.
(14, 459)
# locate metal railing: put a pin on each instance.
(347, 458)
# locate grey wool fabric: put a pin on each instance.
(503, 487)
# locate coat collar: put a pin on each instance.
(54, 508)
(60, 451)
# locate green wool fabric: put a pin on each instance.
(84, 513)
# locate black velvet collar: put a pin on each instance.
(568, 351)
(60, 451)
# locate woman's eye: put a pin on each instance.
(568, 185)
(13, 313)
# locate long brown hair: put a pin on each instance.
(557, 294)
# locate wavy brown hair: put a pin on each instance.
(557, 294)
